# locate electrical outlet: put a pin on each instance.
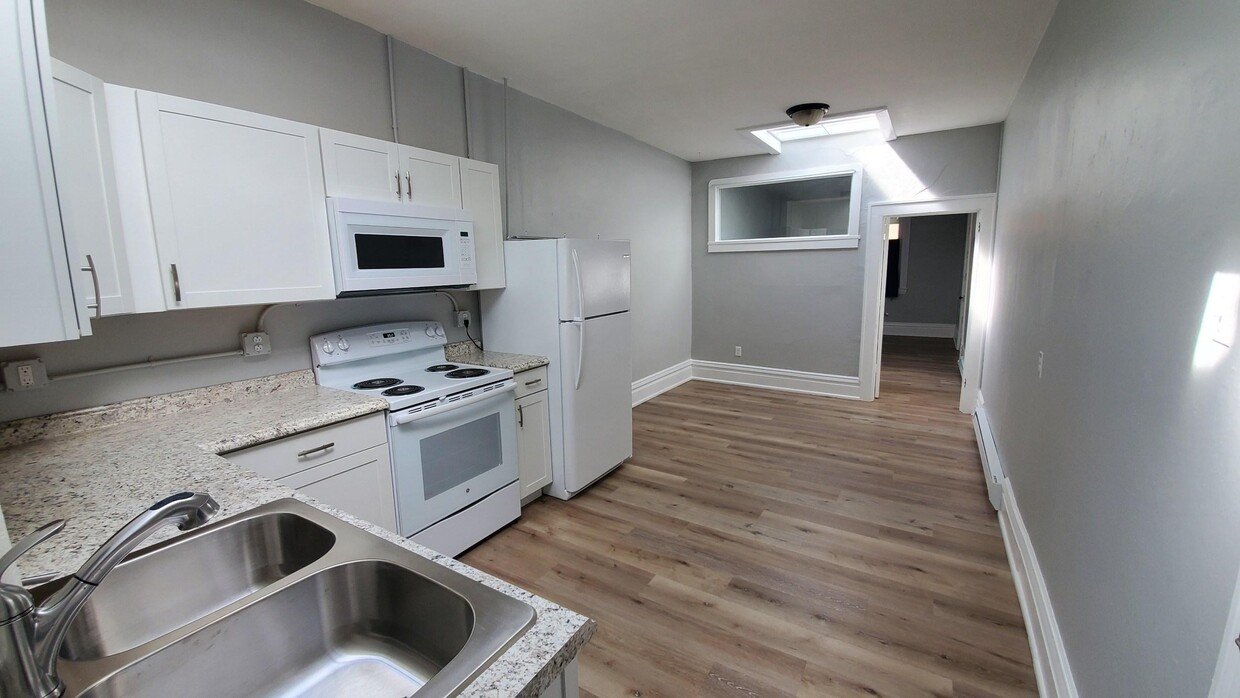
(256, 343)
(738, 351)
(1040, 357)
(462, 317)
(24, 375)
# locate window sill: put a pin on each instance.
(830, 242)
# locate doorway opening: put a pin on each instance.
(947, 321)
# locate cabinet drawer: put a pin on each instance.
(359, 484)
(293, 454)
(531, 381)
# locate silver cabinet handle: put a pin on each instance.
(408, 187)
(520, 417)
(536, 381)
(316, 449)
(398, 185)
(94, 280)
(176, 284)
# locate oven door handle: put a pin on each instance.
(438, 408)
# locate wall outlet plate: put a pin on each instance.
(29, 374)
(256, 343)
(462, 317)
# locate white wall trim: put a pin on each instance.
(979, 286)
(992, 468)
(660, 382)
(919, 329)
(777, 379)
(1050, 660)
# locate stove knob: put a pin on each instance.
(430, 331)
(343, 344)
(439, 330)
(328, 347)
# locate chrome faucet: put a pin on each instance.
(30, 636)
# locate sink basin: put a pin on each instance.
(286, 600)
(169, 585)
(366, 628)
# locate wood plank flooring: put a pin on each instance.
(764, 543)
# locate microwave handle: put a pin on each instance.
(399, 419)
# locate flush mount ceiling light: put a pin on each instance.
(807, 114)
(773, 136)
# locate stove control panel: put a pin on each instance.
(399, 335)
(372, 341)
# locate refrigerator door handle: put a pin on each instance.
(581, 301)
(581, 347)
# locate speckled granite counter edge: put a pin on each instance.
(22, 431)
(467, 353)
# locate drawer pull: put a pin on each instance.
(316, 449)
(520, 417)
(536, 381)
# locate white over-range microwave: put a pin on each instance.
(384, 246)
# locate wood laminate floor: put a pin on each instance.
(764, 543)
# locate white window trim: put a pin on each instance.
(851, 240)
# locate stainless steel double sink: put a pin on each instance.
(285, 600)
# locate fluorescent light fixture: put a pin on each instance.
(773, 136)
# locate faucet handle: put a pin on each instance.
(29, 541)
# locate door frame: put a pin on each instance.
(980, 286)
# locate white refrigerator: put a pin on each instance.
(568, 300)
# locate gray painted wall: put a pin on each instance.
(935, 271)
(294, 60)
(1117, 207)
(801, 310)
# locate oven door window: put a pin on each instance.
(460, 454)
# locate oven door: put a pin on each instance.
(379, 250)
(451, 458)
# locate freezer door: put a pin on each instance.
(596, 383)
(594, 278)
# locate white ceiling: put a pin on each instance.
(684, 75)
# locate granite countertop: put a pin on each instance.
(100, 478)
(467, 353)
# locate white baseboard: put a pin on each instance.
(661, 381)
(992, 468)
(778, 379)
(919, 329)
(1050, 660)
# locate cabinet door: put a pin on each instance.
(434, 178)
(480, 194)
(87, 184)
(533, 442)
(360, 484)
(360, 167)
(39, 302)
(238, 204)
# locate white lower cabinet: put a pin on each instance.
(565, 685)
(345, 465)
(533, 432)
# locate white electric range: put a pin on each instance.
(451, 428)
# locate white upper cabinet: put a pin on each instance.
(359, 167)
(480, 194)
(87, 188)
(238, 204)
(431, 178)
(35, 283)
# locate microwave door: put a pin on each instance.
(384, 257)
